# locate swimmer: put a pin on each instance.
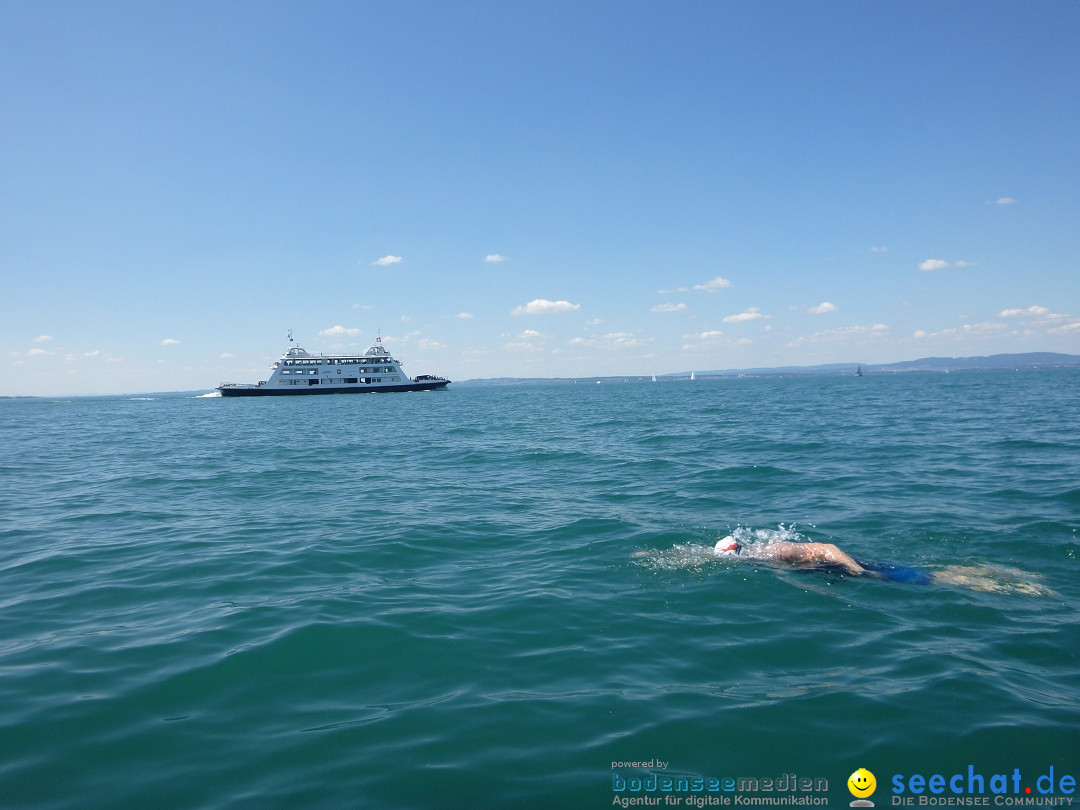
(821, 556)
(775, 547)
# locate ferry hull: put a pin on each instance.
(300, 391)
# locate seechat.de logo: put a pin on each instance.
(861, 784)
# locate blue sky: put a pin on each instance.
(532, 189)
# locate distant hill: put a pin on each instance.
(1028, 360)
(995, 362)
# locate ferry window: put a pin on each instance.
(350, 379)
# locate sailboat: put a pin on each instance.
(858, 371)
(692, 377)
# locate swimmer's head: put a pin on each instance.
(729, 545)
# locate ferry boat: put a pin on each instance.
(300, 372)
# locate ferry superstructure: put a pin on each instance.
(300, 372)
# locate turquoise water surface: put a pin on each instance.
(503, 596)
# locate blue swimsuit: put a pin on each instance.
(895, 573)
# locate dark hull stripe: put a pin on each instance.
(298, 391)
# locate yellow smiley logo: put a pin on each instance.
(861, 783)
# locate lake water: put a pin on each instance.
(503, 595)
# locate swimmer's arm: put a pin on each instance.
(811, 553)
(838, 557)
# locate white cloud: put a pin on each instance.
(427, 343)
(878, 249)
(38, 352)
(612, 340)
(669, 308)
(385, 261)
(933, 264)
(751, 314)
(494, 257)
(225, 356)
(940, 264)
(541, 306)
(967, 330)
(824, 308)
(464, 315)
(529, 334)
(339, 331)
(841, 332)
(1035, 311)
(713, 285)
(94, 353)
(523, 346)
(712, 333)
(1004, 200)
(1037, 315)
(42, 338)
(675, 290)
(170, 342)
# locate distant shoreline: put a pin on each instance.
(1027, 361)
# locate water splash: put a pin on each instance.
(693, 555)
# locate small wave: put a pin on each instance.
(211, 395)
